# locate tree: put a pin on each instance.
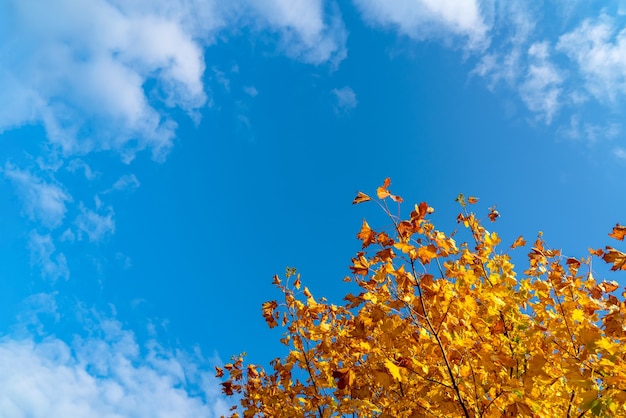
(445, 329)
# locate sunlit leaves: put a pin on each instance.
(436, 328)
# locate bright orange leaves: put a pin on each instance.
(440, 329)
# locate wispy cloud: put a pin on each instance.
(51, 263)
(43, 201)
(77, 164)
(250, 91)
(306, 32)
(541, 88)
(598, 48)
(95, 225)
(620, 153)
(425, 19)
(127, 182)
(345, 99)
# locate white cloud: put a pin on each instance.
(44, 202)
(250, 91)
(77, 164)
(345, 99)
(589, 132)
(81, 70)
(541, 89)
(425, 19)
(127, 182)
(505, 62)
(305, 32)
(620, 153)
(43, 254)
(599, 51)
(95, 225)
(104, 376)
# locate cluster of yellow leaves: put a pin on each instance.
(442, 329)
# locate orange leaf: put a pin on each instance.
(382, 191)
(616, 257)
(268, 313)
(618, 232)
(366, 235)
(608, 287)
(360, 198)
(519, 242)
(597, 252)
(472, 200)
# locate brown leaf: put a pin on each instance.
(616, 257)
(344, 377)
(493, 214)
(619, 231)
(360, 198)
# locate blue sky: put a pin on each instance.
(160, 161)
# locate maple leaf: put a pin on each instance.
(618, 232)
(493, 214)
(360, 198)
(616, 257)
(519, 242)
(345, 378)
(382, 191)
(394, 370)
(269, 313)
(366, 235)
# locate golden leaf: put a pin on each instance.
(360, 198)
(366, 235)
(618, 232)
(394, 370)
(519, 242)
(382, 191)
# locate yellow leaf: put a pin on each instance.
(394, 370)
(578, 315)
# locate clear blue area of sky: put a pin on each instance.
(263, 174)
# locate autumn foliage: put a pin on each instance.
(446, 329)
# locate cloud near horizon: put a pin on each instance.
(105, 373)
